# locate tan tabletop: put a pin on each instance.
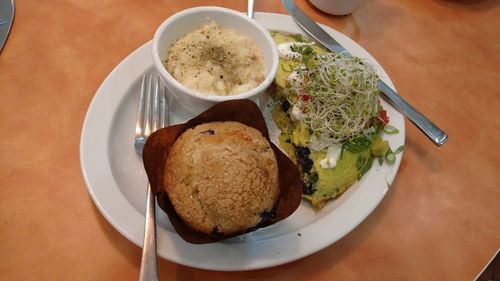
(439, 221)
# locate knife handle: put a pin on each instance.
(438, 136)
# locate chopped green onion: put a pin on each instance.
(389, 129)
(298, 37)
(390, 157)
(358, 144)
(366, 166)
(399, 149)
(307, 50)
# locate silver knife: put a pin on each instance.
(6, 18)
(315, 31)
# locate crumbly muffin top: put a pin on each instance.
(221, 177)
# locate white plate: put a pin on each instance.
(116, 180)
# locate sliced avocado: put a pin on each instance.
(285, 65)
(301, 135)
(286, 144)
(284, 69)
(332, 182)
(280, 37)
(379, 147)
(318, 49)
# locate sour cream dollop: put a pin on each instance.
(332, 155)
(297, 113)
(285, 50)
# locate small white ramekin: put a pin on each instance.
(336, 7)
(188, 20)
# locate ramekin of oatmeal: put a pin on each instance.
(206, 55)
(214, 60)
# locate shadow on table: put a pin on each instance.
(469, 5)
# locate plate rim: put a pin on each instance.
(167, 241)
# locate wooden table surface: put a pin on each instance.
(439, 221)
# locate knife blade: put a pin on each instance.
(433, 132)
(6, 18)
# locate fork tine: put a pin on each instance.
(163, 103)
(161, 116)
(139, 126)
(156, 105)
(165, 118)
(153, 107)
(148, 109)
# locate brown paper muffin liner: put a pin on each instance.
(158, 146)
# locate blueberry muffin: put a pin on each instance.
(222, 177)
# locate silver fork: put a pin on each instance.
(250, 5)
(151, 116)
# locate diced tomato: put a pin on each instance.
(304, 97)
(383, 116)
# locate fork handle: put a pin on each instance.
(149, 271)
(250, 4)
